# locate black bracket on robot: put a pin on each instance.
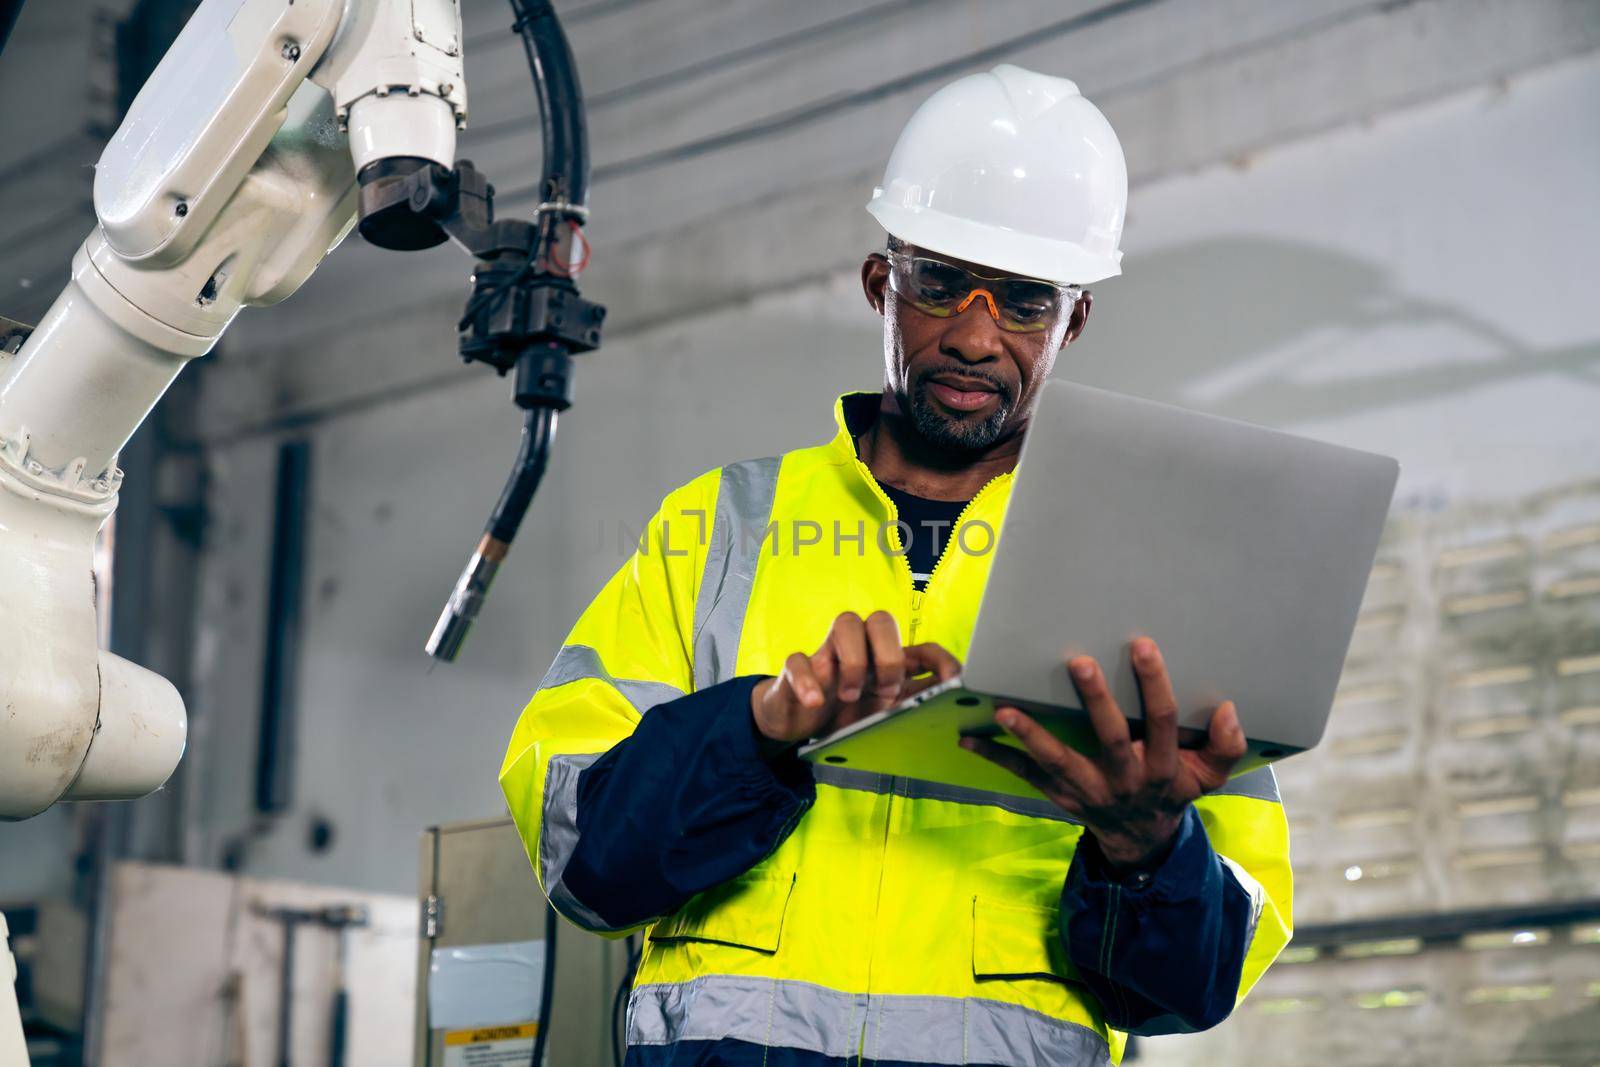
(525, 312)
(12, 335)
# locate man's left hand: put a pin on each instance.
(1132, 794)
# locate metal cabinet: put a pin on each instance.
(477, 888)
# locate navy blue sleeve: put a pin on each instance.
(1162, 950)
(684, 803)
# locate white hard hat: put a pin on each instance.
(1011, 169)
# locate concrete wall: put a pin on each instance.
(55, 89)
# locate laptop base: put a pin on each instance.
(920, 740)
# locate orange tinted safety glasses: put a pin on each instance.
(944, 290)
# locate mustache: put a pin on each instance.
(1000, 386)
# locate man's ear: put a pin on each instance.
(875, 280)
(1080, 316)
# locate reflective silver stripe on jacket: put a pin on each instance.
(1260, 784)
(1252, 889)
(577, 662)
(868, 782)
(558, 837)
(744, 507)
(789, 1014)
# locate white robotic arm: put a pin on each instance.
(232, 176)
(266, 129)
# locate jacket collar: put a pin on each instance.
(853, 413)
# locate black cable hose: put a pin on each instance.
(620, 1002)
(9, 10)
(547, 993)
(533, 454)
(555, 78)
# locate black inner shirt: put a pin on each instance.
(928, 527)
(928, 523)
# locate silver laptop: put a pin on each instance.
(1243, 551)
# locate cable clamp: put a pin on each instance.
(564, 207)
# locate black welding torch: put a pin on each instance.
(525, 314)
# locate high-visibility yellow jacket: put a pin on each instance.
(874, 918)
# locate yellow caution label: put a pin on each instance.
(488, 1034)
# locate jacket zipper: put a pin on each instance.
(899, 546)
(944, 555)
(920, 595)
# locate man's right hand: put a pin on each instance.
(860, 669)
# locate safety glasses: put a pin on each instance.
(940, 289)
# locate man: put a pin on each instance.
(804, 916)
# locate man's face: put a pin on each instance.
(964, 383)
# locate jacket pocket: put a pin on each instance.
(1011, 941)
(746, 912)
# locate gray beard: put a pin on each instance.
(956, 434)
